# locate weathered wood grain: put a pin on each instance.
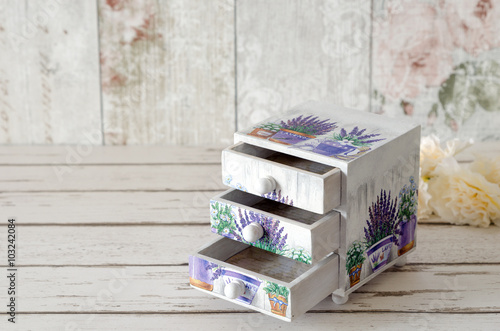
(111, 178)
(109, 245)
(289, 52)
(167, 71)
(438, 288)
(49, 73)
(107, 207)
(80, 245)
(254, 321)
(86, 154)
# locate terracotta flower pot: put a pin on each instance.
(200, 274)
(278, 304)
(289, 137)
(262, 133)
(355, 274)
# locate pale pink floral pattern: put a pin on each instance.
(412, 50)
(127, 22)
(437, 61)
(474, 25)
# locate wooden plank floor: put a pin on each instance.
(104, 235)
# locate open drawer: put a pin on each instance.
(282, 229)
(281, 177)
(260, 280)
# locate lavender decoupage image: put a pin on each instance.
(265, 295)
(229, 221)
(323, 136)
(390, 218)
(389, 232)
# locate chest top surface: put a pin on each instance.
(325, 133)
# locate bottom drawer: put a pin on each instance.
(261, 280)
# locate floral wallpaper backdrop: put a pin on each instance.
(438, 61)
(191, 72)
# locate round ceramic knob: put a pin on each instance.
(265, 185)
(253, 232)
(234, 289)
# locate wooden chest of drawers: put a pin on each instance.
(322, 199)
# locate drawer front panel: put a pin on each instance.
(213, 277)
(304, 240)
(283, 299)
(296, 182)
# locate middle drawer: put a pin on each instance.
(282, 229)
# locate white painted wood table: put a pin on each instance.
(104, 235)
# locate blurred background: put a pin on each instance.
(192, 72)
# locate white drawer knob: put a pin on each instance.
(253, 232)
(234, 289)
(265, 185)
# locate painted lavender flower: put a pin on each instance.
(217, 270)
(383, 220)
(308, 125)
(357, 137)
(408, 201)
(273, 239)
(277, 197)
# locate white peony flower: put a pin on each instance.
(431, 153)
(424, 210)
(488, 167)
(462, 196)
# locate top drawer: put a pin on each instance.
(281, 177)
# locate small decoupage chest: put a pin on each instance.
(322, 200)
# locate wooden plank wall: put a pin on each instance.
(49, 72)
(167, 71)
(190, 72)
(293, 51)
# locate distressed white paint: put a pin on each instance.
(49, 73)
(306, 289)
(292, 51)
(111, 178)
(189, 72)
(318, 238)
(433, 246)
(321, 321)
(168, 72)
(318, 193)
(450, 273)
(471, 289)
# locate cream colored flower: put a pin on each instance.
(431, 153)
(462, 196)
(424, 210)
(488, 167)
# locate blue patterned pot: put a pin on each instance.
(407, 237)
(332, 147)
(289, 137)
(378, 254)
(251, 285)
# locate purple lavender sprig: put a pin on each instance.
(383, 220)
(309, 125)
(217, 270)
(277, 197)
(273, 239)
(356, 137)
